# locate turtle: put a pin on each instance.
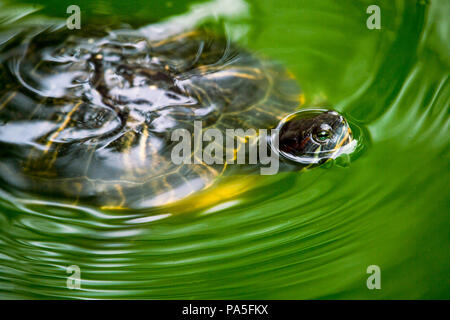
(90, 118)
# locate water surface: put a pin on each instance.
(288, 236)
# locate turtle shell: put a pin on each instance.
(91, 117)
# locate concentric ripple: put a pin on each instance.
(293, 235)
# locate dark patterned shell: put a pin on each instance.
(91, 118)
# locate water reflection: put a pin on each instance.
(309, 235)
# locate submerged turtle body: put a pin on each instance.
(91, 118)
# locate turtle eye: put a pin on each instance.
(323, 135)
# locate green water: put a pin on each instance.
(289, 236)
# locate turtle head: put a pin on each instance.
(313, 136)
